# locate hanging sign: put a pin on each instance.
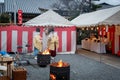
(19, 17)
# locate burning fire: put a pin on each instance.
(60, 63)
(52, 77)
(46, 52)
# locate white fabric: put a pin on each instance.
(116, 43)
(25, 41)
(52, 34)
(106, 16)
(86, 44)
(83, 44)
(45, 40)
(46, 37)
(36, 33)
(73, 41)
(14, 40)
(100, 48)
(3, 67)
(94, 46)
(4, 40)
(49, 18)
(64, 41)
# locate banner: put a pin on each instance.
(20, 17)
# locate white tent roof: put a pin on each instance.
(49, 18)
(105, 16)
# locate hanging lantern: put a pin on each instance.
(86, 28)
(97, 28)
(104, 28)
(82, 28)
(100, 33)
(91, 28)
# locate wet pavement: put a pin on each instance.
(82, 67)
(108, 58)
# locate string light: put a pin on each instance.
(86, 28)
(82, 28)
(91, 28)
(97, 28)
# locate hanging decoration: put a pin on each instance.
(106, 28)
(117, 30)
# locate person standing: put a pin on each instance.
(53, 42)
(37, 43)
(45, 38)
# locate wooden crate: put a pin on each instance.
(8, 62)
(4, 78)
(19, 73)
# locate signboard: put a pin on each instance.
(19, 17)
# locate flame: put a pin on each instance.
(52, 77)
(60, 63)
(46, 52)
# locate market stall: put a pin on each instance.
(105, 22)
(13, 36)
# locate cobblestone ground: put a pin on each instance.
(81, 68)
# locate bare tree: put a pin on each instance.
(78, 6)
(71, 5)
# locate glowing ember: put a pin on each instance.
(52, 77)
(46, 52)
(60, 63)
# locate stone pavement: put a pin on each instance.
(81, 68)
(108, 58)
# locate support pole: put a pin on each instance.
(15, 11)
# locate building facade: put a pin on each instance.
(2, 8)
